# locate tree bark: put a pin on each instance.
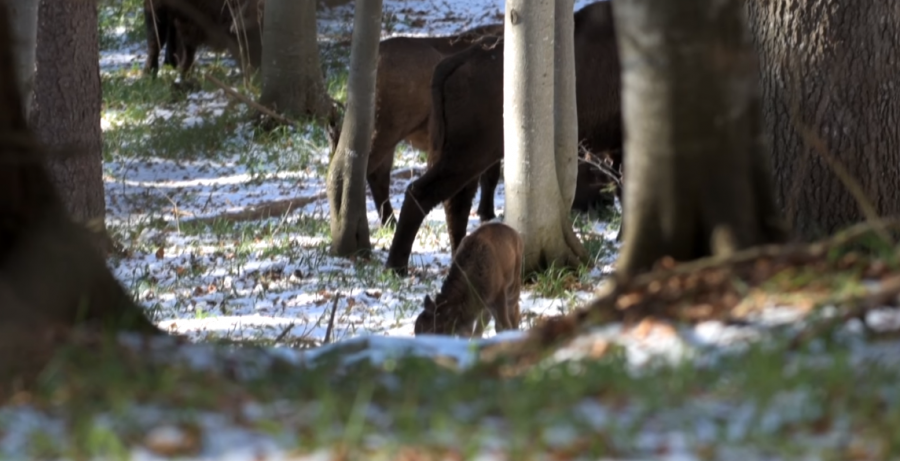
(292, 80)
(50, 276)
(565, 115)
(698, 180)
(831, 107)
(66, 106)
(347, 172)
(538, 196)
(24, 17)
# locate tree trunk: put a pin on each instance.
(347, 172)
(66, 107)
(538, 196)
(830, 97)
(292, 80)
(565, 116)
(698, 183)
(50, 276)
(24, 17)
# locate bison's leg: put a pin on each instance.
(481, 323)
(152, 25)
(488, 182)
(456, 168)
(456, 210)
(442, 181)
(186, 60)
(502, 316)
(512, 304)
(173, 42)
(379, 181)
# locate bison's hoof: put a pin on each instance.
(400, 271)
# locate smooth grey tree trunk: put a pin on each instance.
(24, 16)
(698, 180)
(347, 172)
(537, 196)
(292, 80)
(565, 128)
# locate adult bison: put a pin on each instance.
(159, 25)
(467, 124)
(403, 104)
(185, 25)
(403, 108)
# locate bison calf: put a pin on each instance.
(484, 281)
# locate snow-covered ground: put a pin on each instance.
(280, 286)
(275, 281)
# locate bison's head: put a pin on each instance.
(427, 321)
(439, 318)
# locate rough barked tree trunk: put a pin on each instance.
(830, 77)
(292, 80)
(24, 16)
(51, 278)
(539, 182)
(347, 172)
(698, 179)
(66, 107)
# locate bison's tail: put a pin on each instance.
(443, 71)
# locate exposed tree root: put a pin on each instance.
(708, 289)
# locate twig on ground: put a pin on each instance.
(253, 104)
(284, 333)
(330, 328)
(261, 211)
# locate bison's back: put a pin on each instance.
(403, 99)
(467, 93)
(597, 78)
(491, 254)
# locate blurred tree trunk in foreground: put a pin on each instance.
(831, 107)
(699, 183)
(65, 115)
(51, 277)
(24, 17)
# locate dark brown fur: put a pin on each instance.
(189, 24)
(160, 28)
(484, 281)
(403, 105)
(467, 124)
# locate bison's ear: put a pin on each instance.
(429, 303)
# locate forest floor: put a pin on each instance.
(788, 354)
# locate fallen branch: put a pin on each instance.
(253, 104)
(261, 211)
